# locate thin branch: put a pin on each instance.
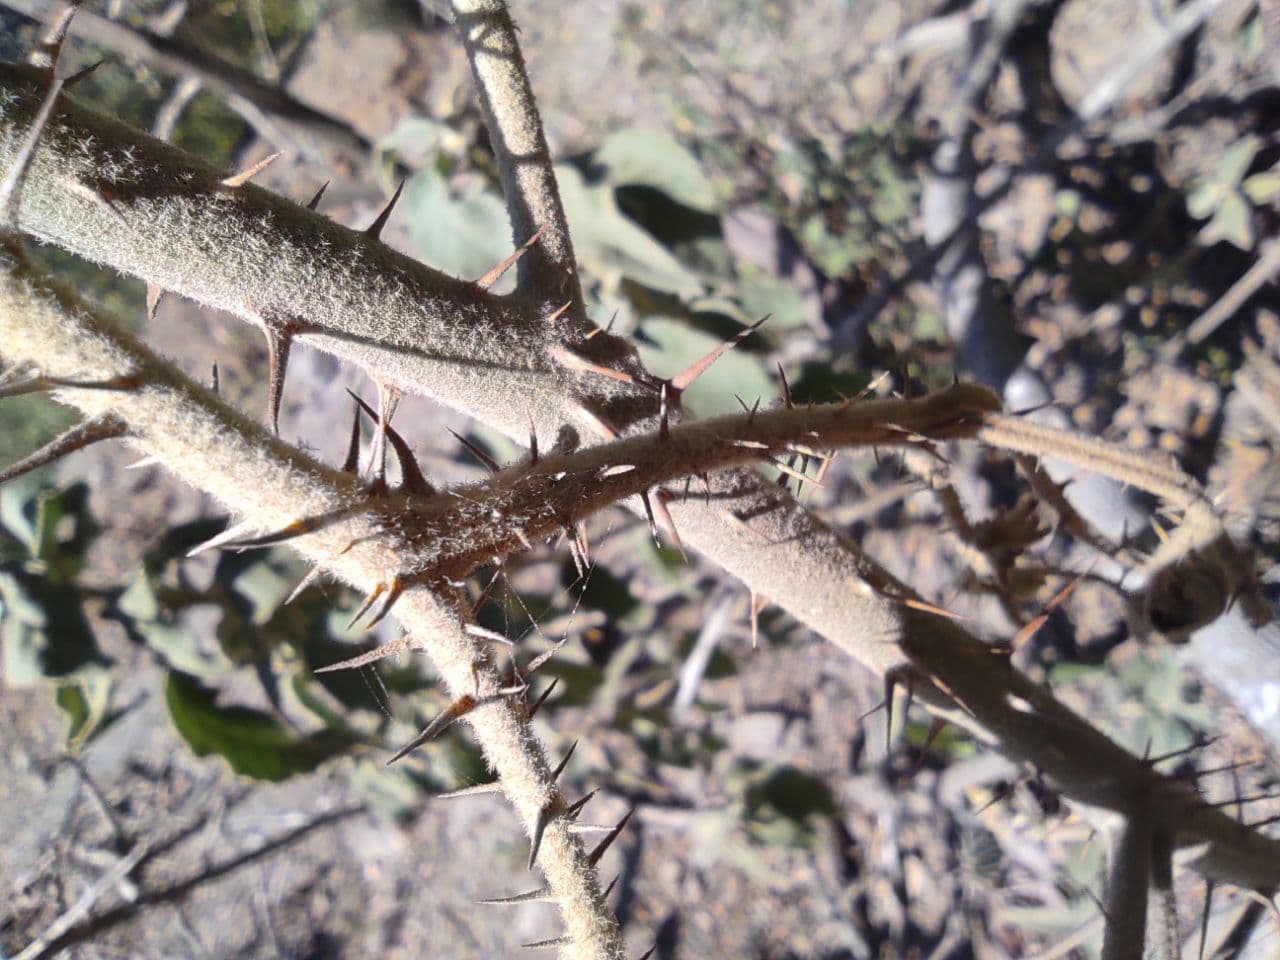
(520, 148)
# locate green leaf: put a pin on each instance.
(652, 158)
(667, 346)
(463, 234)
(415, 140)
(44, 630)
(255, 744)
(613, 246)
(85, 702)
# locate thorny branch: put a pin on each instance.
(116, 197)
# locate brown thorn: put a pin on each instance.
(648, 953)
(312, 576)
(936, 726)
(926, 607)
(487, 461)
(83, 73)
(495, 273)
(572, 361)
(374, 594)
(648, 510)
(82, 435)
(689, 374)
(542, 698)
(1204, 917)
(660, 500)
(609, 889)
(451, 715)
(533, 445)
(664, 422)
(559, 769)
(213, 379)
(279, 342)
(789, 471)
(575, 808)
(594, 856)
(1039, 620)
(756, 603)
(375, 229)
(548, 944)
(394, 590)
(541, 895)
(396, 646)
(786, 388)
(412, 479)
(248, 173)
(559, 312)
(352, 462)
(545, 814)
(314, 202)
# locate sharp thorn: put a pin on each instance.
(248, 173)
(314, 202)
(594, 856)
(533, 445)
(609, 889)
(575, 808)
(18, 388)
(233, 532)
(541, 895)
(786, 387)
(559, 312)
(548, 944)
(78, 437)
(396, 646)
(479, 790)
(664, 423)
(352, 462)
(393, 593)
(648, 953)
(559, 768)
(83, 73)
(664, 514)
(757, 603)
(684, 378)
(412, 479)
(487, 461)
(214, 384)
(279, 342)
(1204, 916)
(143, 463)
(452, 714)
(484, 633)
(375, 229)
(368, 602)
(545, 815)
(537, 662)
(648, 510)
(542, 698)
(495, 273)
(312, 576)
(572, 361)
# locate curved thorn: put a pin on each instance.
(82, 435)
(594, 856)
(314, 202)
(689, 374)
(495, 273)
(412, 479)
(451, 715)
(248, 173)
(487, 461)
(375, 229)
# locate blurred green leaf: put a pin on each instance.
(254, 744)
(85, 701)
(653, 158)
(613, 246)
(461, 234)
(1232, 222)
